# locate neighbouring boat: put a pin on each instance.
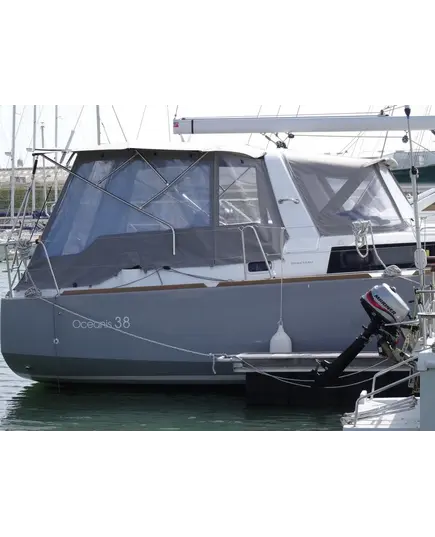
(424, 160)
(156, 260)
(376, 411)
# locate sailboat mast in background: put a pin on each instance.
(43, 162)
(35, 123)
(98, 125)
(56, 144)
(14, 131)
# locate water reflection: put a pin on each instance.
(39, 407)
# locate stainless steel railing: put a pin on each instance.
(245, 262)
(378, 392)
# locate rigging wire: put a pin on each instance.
(348, 147)
(119, 123)
(21, 120)
(424, 148)
(361, 136)
(423, 133)
(141, 121)
(79, 118)
(169, 123)
(258, 115)
(105, 131)
(277, 115)
(387, 135)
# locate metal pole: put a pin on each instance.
(414, 181)
(14, 128)
(56, 143)
(43, 163)
(98, 125)
(35, 122)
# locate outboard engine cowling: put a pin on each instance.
(384, 304)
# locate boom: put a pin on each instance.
(307, 124)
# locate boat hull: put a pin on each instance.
(72, 338)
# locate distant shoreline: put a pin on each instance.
(20, 192)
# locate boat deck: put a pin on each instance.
(393, 414)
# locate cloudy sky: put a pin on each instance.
(157, 125)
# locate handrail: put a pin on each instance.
(379, 391)
(50, 266)
(8, 269)
(243, 229)
(15, 268)
(389, 370)
(427, 320)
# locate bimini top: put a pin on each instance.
(247, 150)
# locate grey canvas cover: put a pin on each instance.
(129, 209)
(338, 194)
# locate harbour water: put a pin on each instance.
(27, 406)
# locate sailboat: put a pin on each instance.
(159, 258)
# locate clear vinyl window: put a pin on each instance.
(244, 192)
(336, 196)
(174, 193)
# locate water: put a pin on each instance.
(27, 406)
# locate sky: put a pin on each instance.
(157, 126)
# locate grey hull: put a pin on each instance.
(43, 342)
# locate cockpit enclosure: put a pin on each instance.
(146, 209)
(338, 192)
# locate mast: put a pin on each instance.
(43, 162)
(35, 123)
(71, 136)
(14, 133)
(56, 143)
(98, 125)
(301, 124)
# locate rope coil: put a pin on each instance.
(362, 230)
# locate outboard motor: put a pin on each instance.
(386, 310)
